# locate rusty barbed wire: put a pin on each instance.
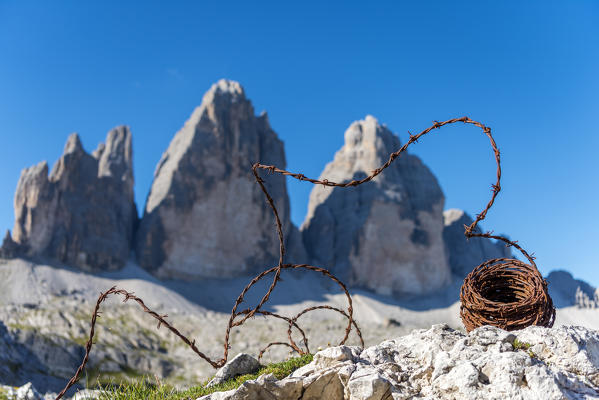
(247, 313)
(506, 293)
(505, 304)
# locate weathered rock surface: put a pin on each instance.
(21, 363)
(441, 363)
(83, 214)
(241, 364)
(205, 215)
(25, 392)
(466, 254)
(385, 235)
(29, 392)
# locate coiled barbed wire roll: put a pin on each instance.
(506, 293)
(503, 292)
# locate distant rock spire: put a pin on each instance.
(73, 144)
(83, 213)
(115, 158)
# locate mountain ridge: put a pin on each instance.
(225, 125)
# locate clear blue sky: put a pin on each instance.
(529, 69)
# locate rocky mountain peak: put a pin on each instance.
(369, 136)
(83, 213)
(73, 144)
(367, 145)
(115, 157)
(217, 129)
(385, 235)
(225, 88)
(204, 191)
(454, 215)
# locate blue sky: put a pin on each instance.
(527, 69)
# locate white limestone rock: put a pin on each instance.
(205, 215)
(241, 364)
(266, 387)
(27, 392)
(441, 363)
(89, 394)
(384, 235)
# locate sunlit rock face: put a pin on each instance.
(385, 235)
(82, 214)
(466, 254)
(444, 364)
(205, 215)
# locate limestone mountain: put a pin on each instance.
(566, 291)
(205, 216)
(83, 213)
(385, 235)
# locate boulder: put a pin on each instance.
(266, 387)
(241, 364)
(441, 363)
(205, 215)
(83, 214)
(384, 235)
(466, 254)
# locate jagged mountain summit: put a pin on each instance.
(205, 216)
(82, 214)
(385, 235)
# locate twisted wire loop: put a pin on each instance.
(501, 292)
(506, 293)
(506, 308)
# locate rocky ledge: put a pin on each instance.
(442, 363)
(437, 363)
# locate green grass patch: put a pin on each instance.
(95, 378)
(519, 345)
(149, 389)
